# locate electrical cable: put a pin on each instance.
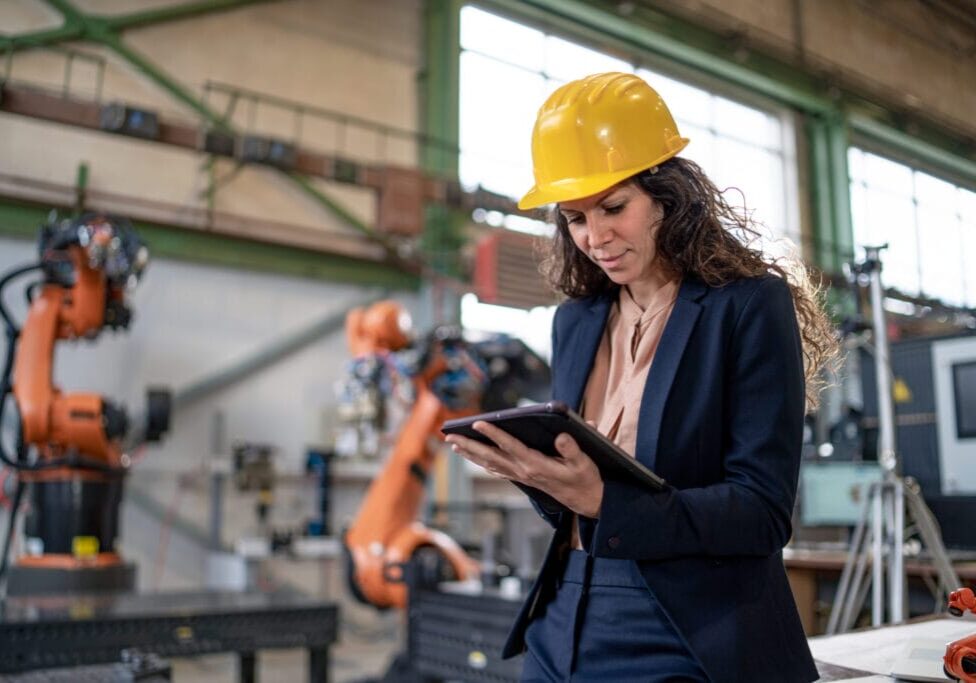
(13, 332)
(11, 524)
(14, 509)
(16, 272)
(29, 291)
(12, 335)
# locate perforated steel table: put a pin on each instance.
(50, 631)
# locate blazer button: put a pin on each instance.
(613, 542)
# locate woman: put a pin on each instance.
(681, 344)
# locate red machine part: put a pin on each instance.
(960, 655)
(385, 533)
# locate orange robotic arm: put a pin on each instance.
(960, 655)
(59, 423)
(76, 477)
(385, 533)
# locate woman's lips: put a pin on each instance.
(611, 262)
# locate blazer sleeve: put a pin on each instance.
(749, 511)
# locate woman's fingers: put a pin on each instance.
(505, 441)
(567, 446)
(508, 457)
(466, 446)
(481, 454)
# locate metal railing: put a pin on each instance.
(71, 56)
(343, 124)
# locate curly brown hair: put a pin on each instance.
(701, 234)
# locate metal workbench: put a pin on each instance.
(56, 631)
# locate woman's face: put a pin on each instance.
(617, 230)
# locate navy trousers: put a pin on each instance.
(603, 624)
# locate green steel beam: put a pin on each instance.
(842, 228)
(99, 30)
(912, 148)
(71, 14)
(830, 192)
(677, 42)
(821, 200)
(164, 14)
(352, 221)
(21, 221)
(75, 22)
(210, 249)
(112, 40)
(439, 85)
(334, 207)
(440, 97)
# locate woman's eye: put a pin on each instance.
(573, 220)
(613, 209)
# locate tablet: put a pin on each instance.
(537, 426)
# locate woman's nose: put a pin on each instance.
(600, 232)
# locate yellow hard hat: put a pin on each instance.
(595, 132)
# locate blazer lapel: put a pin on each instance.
(585, 341)
(671, 348)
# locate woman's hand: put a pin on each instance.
(573, 479)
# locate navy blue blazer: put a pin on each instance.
(721, 419)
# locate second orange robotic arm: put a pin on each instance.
(385, 533)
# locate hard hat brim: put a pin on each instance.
(578, 188)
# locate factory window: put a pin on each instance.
(929, 225)
(501, 89)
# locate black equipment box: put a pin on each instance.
(126, 120)
(917, 416)
(458, 636)
(261, 150)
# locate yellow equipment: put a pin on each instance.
(596, 132)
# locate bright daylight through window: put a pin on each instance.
(929, 225)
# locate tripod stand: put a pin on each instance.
(880, 534)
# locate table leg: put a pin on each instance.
(803, 582)
(318, 665)
(248, 662)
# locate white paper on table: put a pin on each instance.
(876, 650)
